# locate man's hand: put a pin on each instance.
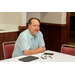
(42, 48)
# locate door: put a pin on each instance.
(68, 23)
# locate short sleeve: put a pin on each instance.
(23, 42)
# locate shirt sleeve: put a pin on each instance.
(41, 41)
(23, 42)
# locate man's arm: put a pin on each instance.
(38, 50)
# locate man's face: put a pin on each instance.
(34, 27)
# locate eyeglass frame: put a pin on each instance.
(44, 56)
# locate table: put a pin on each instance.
(57, 57)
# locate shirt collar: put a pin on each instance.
(31, 36)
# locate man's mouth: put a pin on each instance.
(36, 30)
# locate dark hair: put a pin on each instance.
(29, 21)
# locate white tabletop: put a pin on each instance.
(57, 57)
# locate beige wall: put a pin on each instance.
(32, 14)
(13, 18)
(48, 17)
(24, 18)
(10, 20)
(2, 20)
(51, 17)
(21, 18)
(2, 17)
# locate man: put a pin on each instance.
(30, 41)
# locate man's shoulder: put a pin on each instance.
(40, 33)
(24, 33)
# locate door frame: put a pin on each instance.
(68, 25)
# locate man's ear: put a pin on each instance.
(28, 25)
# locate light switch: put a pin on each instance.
(64, 18)
(18, 20)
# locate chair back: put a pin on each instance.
(68, 49)
(8, 48)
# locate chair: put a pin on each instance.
(8, 48)
(68, 49)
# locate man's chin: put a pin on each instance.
(35, 33)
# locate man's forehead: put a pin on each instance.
(34, 20)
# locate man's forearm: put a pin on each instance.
(38, 50)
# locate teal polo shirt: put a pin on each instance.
(26, 41)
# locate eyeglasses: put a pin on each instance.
(46, 55)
